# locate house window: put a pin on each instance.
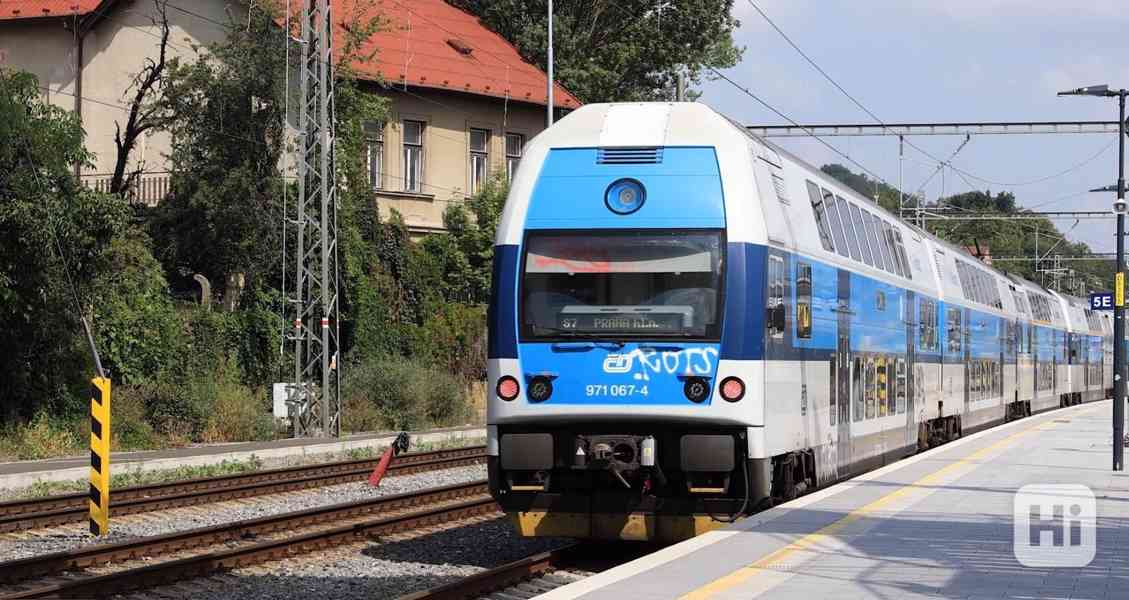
(515, 145)
(413, 156)
(374, 147)
(479, 157)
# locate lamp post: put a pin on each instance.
(549, 94)
(1119, 393)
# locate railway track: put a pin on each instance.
(61, 509)
(87, 572)
(538, 573)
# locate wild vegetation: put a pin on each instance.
(412, 314)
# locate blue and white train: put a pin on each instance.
(688, 323)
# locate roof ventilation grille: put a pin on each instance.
(629, 156)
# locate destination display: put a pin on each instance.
(624, 323)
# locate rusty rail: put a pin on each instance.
(473, 496)
(71, 508)
(499, 578)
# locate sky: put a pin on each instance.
(945, 61)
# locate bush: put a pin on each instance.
(453, 339)
(239, 415)
(129, 428)
(43, 437)
(397, 393)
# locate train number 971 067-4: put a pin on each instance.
(615, 390)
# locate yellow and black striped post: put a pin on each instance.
(100, 456)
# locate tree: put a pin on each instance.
(226, 112)
(145, 111)
(618, 50)
(53, 237)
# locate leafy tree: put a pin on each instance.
(465, 256)
(618, 50)
(227, 109)
(44, 212)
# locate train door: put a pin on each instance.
(844, 374)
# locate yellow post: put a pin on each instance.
(100, 456)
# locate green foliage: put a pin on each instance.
(44, 437)
(227, 109)
(138, 330)
(44, 210)
(618, 50)
(397, 393)
(465, 256)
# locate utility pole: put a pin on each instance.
(314, 397)
(550, 94)
(1119, 393)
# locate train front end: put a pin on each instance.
(624, 380)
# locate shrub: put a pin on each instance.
(398, 393)
(129, 428)
(240, 414)
(43, 437)
(453, 339)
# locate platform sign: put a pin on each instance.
(1101, 301)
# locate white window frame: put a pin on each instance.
(513, 160)
(478, 159)
(374, 143)
(413, 180)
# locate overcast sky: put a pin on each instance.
(938, 61)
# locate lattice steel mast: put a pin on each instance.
(314, 397)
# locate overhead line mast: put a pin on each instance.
(314, 398)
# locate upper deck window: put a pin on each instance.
(622, 285)
(821, 220)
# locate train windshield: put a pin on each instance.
(623, 285)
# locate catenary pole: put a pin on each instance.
(1119, 395)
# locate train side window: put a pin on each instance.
(901, 249)
(879, 260)
(836, 224)
(860, 230)
(902, 387)
(857, 388)
(834, 386)
(803, 301)
(848, 228)
(892, 387)
(775, 294)
(882, 384)
(952, 316)
(870, 395)
(888, 239)
(820, 211)
(880, 300)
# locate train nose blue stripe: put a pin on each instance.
(501, 314)
(742, 336)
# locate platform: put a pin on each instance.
(24, 473)
(940, 524)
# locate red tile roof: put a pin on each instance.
(426, 43)
(29, 9)
(431, 44)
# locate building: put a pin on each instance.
(463, 102)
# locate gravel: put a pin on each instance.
(380, 570)
(21, 545)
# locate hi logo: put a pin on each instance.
(1055, 525)
(618, 363)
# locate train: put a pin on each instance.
(688, 324)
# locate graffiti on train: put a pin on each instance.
(644, 362)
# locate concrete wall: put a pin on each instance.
(446, 171)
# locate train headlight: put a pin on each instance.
(625, 196)
(732, 389)
(697, 389)
(540, 388)
(508, 388)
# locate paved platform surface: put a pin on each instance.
(24, 473)
(938, 525)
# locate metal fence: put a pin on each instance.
(148, 188)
